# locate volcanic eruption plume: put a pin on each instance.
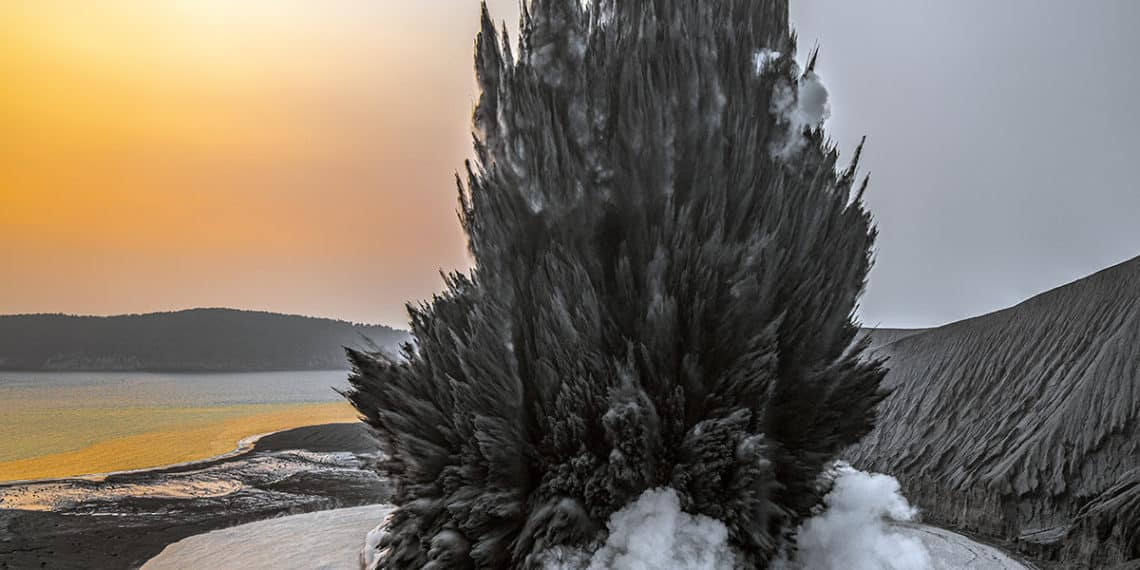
(660, 315)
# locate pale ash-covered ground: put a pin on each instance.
(949, 550)
(333, 539)
(315, 541)
(865, 526)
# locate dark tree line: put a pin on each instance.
(667, 266)
(195, 340)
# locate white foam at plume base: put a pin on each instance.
(652, 533)
(852, 532)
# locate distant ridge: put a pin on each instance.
(883, 337)
(1025, 423)
(203, 340)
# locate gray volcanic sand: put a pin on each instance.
(1023, 424)
(124, 520)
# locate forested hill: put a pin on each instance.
(194, 340)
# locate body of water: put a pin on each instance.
(72, 389)
(68, 423)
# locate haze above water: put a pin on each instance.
(98, 389)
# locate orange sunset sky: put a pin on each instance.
(286, 155)
(298, 156)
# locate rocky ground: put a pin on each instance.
(194, 516)
(121, 521)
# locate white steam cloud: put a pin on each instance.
(854, 529)
(852, 532)
(653, 533)
(370, 554)
(802, 105)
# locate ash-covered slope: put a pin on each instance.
(883, 337)
(1011, 422)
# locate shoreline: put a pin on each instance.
(172, 447)
(244, 446)
(126, 519)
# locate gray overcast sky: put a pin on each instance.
(1002, 142)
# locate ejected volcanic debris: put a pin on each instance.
(667, 264)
